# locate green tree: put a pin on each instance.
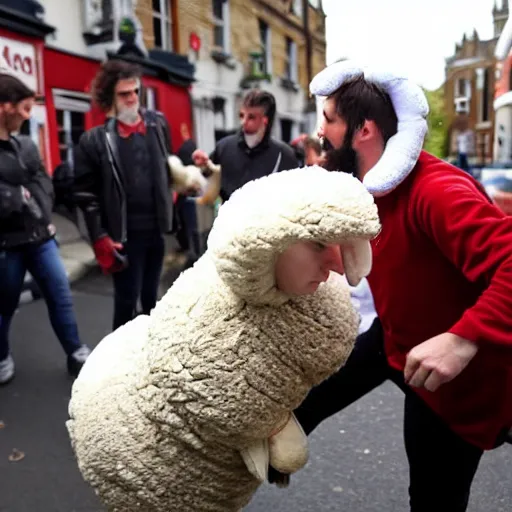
(437, 137)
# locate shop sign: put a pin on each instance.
(19, 59)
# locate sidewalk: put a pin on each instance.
(77, 255)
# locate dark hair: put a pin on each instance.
(13, 90)
(263, 99)
(110, 73)
(312, 143)
(359, 100)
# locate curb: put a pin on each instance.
(78, 271)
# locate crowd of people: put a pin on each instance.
(438, 297)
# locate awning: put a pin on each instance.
(22, 16)
(163, 68)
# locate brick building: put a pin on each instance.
(469, 89)
(236, 44)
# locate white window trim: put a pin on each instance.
(293, 62)
(458, 102)
(268, 51)
(268, 48)
(483, 125)
(150, 98)
(165, 18)
(480, 82)
(297, 8)
(225, 23)
(226, 15)
(67, 129)
(467, 88)
(71, 100)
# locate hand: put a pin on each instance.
(200, 158)
(438, 360)
(106, 252)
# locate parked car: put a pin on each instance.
(498, 184)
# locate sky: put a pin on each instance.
(410, 36)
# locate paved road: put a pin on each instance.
(357, 463)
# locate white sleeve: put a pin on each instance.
(362, 299)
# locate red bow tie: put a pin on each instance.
(125, 130)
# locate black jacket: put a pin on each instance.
(99, 189)
(241, 164)
(23, 222)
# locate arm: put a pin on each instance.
(11, 199)
(477, 238)
(40, 185)
(213, 186)
(87, 185)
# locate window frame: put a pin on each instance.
(266, 46)
(292, 62)
(165, 18)
(223, 23)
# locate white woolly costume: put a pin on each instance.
(179, 411)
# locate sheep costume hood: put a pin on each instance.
(168, 409)
(411, 107)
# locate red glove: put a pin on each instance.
(107, 255)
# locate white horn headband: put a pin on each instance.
(403, 149)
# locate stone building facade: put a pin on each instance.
(277, 45)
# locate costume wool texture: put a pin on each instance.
(164, 405)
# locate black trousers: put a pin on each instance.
(441, 464)
(140, 280)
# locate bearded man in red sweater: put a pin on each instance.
(442, 285)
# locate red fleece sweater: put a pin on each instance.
(443, 263)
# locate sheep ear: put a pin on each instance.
(357, 260)
(256, 458)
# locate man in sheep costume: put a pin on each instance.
(184, 410)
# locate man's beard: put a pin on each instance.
(128, 115)
(343, 159)
(253, 139)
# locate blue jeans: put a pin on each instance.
(44, 263)
(145, 253)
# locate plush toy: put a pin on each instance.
(184, 410)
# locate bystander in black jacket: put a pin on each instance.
(241, 164)
(101, 183)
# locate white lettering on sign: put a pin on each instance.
(19, 59)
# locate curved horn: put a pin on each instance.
(504, 42)
(403, 149)
(411, 107)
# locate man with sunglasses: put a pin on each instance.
(122, 184)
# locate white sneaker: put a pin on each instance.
(77, 359)
(6, 369)
(81, 354)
